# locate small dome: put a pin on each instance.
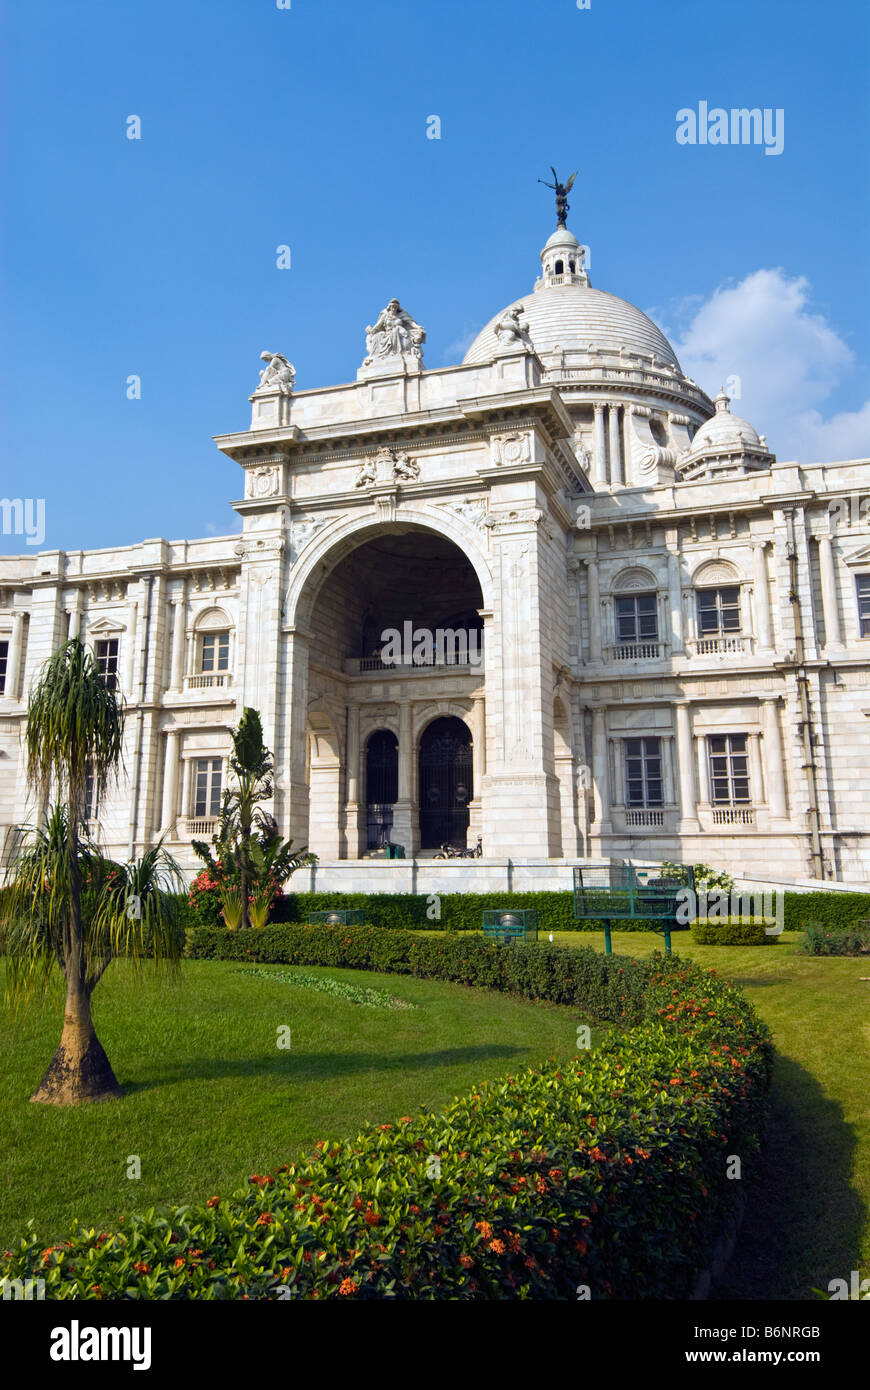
(561, 237)
(724, 429)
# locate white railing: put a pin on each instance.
(733, 815)
(644, 817)
(719, 646)
(208, 680)
(208, 826)
(464, 661)
(635, 651)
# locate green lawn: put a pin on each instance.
(808, 1214)
(211, 1098)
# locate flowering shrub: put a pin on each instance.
(608, 1170)
(848, 941)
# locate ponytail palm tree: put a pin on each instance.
(66, 904)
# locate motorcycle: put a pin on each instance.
(451, 852)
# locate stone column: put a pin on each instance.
(402, 832)
(594, 610)
(667, 750)
(830, 605)
(762, 597)
(756, 783)
(187, 775)
(773, 761)
(169, 813)
(13, 659)
(478, 769)
(617, 476)
(352, 763)
(75, 615)
(178, 629)
(617, 782)
(704, 788)
(599, 452)
(688, 808)
(600, 773)
(675, 603)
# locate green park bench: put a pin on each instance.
(508, 924)
(621, 892)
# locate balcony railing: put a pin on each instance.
(635, 651)
(644, 817)
(202, 826)
(208, 680)
(470, 661)
(733, 815)
(726, 645)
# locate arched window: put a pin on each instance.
(560, 267)
(212, 654)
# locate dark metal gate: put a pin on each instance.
(382, 786)
(445, 783)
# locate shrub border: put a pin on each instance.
(607, 1173)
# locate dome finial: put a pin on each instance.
(722, 401)
(561, 190)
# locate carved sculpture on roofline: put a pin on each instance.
(278, 374)
(394, 334)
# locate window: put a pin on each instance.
(207, 787)
(636, 618)
(643, 771)
(107, 661)
(718, 611)
(559, 267)
(862, 582)
(215, 652)
(729, 769)
(92, 804)
(4, 661)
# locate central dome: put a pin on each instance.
(574, 318)
(564, 314)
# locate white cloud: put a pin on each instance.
(788, 361)
(455, 351)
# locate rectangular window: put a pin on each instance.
(207, 787)
(4, 661)
(636, 618)
(718, 611)
(643, 771)
(215, 652)
(729, 769)
(107, 661)
(91, 802)
(862, 582)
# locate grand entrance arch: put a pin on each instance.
(417, 583)
(446, 782)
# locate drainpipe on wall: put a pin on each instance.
(807, 736)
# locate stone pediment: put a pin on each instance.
(858, 558)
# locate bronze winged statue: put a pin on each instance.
(561, 190)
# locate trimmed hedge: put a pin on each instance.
(607, 1171)
(850, 941)
(831, 910)
(463, 911)
(459, 911)
(713, 933)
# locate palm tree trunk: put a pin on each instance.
(79, 1070)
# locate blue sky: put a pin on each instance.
(307, 127)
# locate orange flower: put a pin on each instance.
(265, 1219)
(484, 1228)
(497, 1247)
(141, 1268)
(179, 1263)
(371, 1218)
(466, 1261)
(213, 1201)
(348, 1286)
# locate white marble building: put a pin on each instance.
(675, 626)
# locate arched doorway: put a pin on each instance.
(382, 786)
(446, 786)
